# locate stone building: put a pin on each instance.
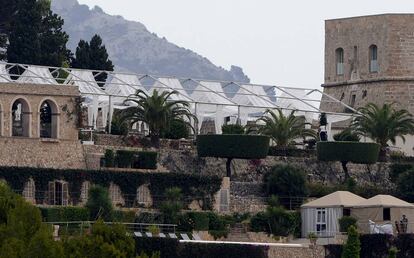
(370, 59)
(38, 126)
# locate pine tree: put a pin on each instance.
(93, 56)
(53, 41)
(24, 46)
(352, 247)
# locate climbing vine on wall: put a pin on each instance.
(193, 186)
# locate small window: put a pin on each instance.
(347, 212)
(373, 59)
(321, 221)
(352, 101)
(364, 94)
(339, 53)
(386, 213)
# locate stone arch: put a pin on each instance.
(116, 195)
(144, 197)
(29, 191)
(20, 117)
(48, 119)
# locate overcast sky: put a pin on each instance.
(275, 42)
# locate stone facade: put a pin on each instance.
(392, 81)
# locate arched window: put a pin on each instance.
(20, 118)
(339, 53)
(373, 59)
(48, 120)
(144, 196)
(116, 195)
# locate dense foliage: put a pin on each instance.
(93, 55)
(233, 146)
(347, 135)
(178, 129)
(291, 152)
(59, 214)
(345, 222)
(232, 129)
(99, 204)
(158, 111)
(284, 130)
(35, 35)
(171, 248)
(356, 152)
(286, 181)
(132, 159)
(352, 247)
(405, 185)
(193, 187)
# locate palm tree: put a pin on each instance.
(284, 129)
(157, 111)
(383, 124)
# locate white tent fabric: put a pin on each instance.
(335, 199)
(4, 75)
(123, 85)
(246, 96)
(309, 221)
(170, 84)
(37, 75)
(287, 100)
(85, 81)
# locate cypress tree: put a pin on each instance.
(352, 247)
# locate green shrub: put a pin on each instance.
(352, 248)
(125, 158)
(178, 130)
(396, 169)
(99, 204)
(286, 181)
(276, 221)
(346, 136)
(345, 222)
(232, 129)
(109, 158)
(405, 185)
(319, 190)
(168, 247)
(233, 146)
(201, 220)
(147, 160)
(119, 127)
(62, 214)
(123, 216)
(172, 205)
(356, 152)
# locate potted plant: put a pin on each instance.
(312, 238)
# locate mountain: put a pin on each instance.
(135, 49)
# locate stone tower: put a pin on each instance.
(370, 59)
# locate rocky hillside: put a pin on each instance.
(133, 48)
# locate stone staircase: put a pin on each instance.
(238, 233)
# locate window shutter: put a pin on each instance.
(51, 194)
(65, 194)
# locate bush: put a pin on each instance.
(61, 214)
(397, 169)
(109, 158)
(375, 245)
(201, 250)
(346, 136)
(405, 185)
(405, 244)
(290, 152)
(178, 130)
(118, 127)
(168, 247)
(201, 220)
(172, 205)
(345, 222)
(99, 204)
(319, 190)
(125, 158)
(286, 181)
(147, 160)
(233, 146)
(356, 152)
(333, 251)
(352, 248)
(232, 129)
(123, 216)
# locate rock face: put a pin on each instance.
(133, 48)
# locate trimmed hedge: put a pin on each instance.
(333, 251)
(196, 186)
(375, 245)
(60, 214)
(171, 248)
(236, 146)
(356, 152)
(134, 159)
